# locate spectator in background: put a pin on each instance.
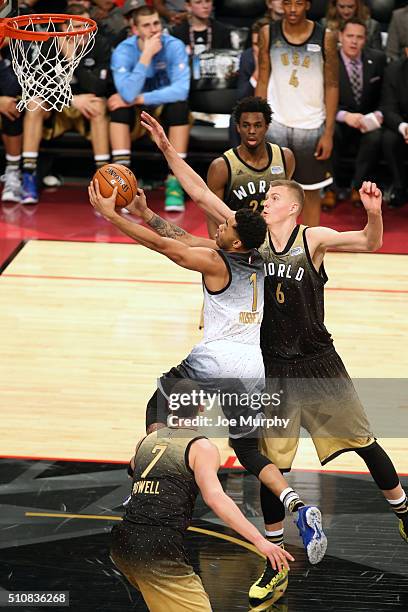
(171, 11)
(42, 6)
(200, 32)
(298, 73)
(397, 40)
(87, 115)
(340, 11)
(247, 76)
(127, 9)
(248, 65)
(274, 11)
(394, 106)
(109, 17)
(150, 69)
(12, 129)
(361, 73)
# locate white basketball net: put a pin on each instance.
(45, 68)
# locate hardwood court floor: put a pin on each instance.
(86, 329)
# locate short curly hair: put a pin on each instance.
(250, 227)
(252, 105)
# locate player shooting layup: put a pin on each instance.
(295, 342)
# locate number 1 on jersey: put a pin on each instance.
(252, 280)
(159, 447)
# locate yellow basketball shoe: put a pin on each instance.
(402, 531)
(270, 587)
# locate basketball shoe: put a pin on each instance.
(12, 185)
(270, 587)
(402, 530)
(310, 527)
(30, 188)
(174, 198)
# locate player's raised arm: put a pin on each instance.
(367, 239)
(191, 182)
(163, 227)
(264, 61)
(204, 260)
(204, 460)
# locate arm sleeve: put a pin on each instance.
(179, 77)
(129, 75)
(96, 79)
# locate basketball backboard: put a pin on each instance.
(8, 8)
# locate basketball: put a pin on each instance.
(116, 175)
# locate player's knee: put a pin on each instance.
(249, 456)
(380, 466)
(100, 109)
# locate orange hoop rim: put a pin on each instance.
(10, 27)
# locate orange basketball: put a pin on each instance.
(112, 175)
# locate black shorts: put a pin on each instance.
(172, 114)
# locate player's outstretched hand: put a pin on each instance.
(106, 206)
(371, 197)
(156, 131)
(138, 205)
(276, 555)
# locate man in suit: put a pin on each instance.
(394, 105)
(397, 34)
(360, 77)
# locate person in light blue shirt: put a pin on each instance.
(150, 69)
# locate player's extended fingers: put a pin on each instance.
(96, 187)
(91, 200)
(147, 126)
(281, 560)
(91, 191)
(288, 555)
(149, 120)
(272, 560)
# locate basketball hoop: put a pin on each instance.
(46, 50)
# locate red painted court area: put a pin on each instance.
(65, 214)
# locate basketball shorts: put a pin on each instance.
(231, 371)
(315, 394)
(154, 561)
(309, 172)
(171, 114)
(68, 120)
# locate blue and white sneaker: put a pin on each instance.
(30, 189)
(310, 528)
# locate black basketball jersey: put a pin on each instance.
(164, 489)
(247, 186)
(293, 325)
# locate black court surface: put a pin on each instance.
(55, 519)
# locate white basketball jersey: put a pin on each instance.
(296, 83)
(235, 313)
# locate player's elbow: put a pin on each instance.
(374, 245)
